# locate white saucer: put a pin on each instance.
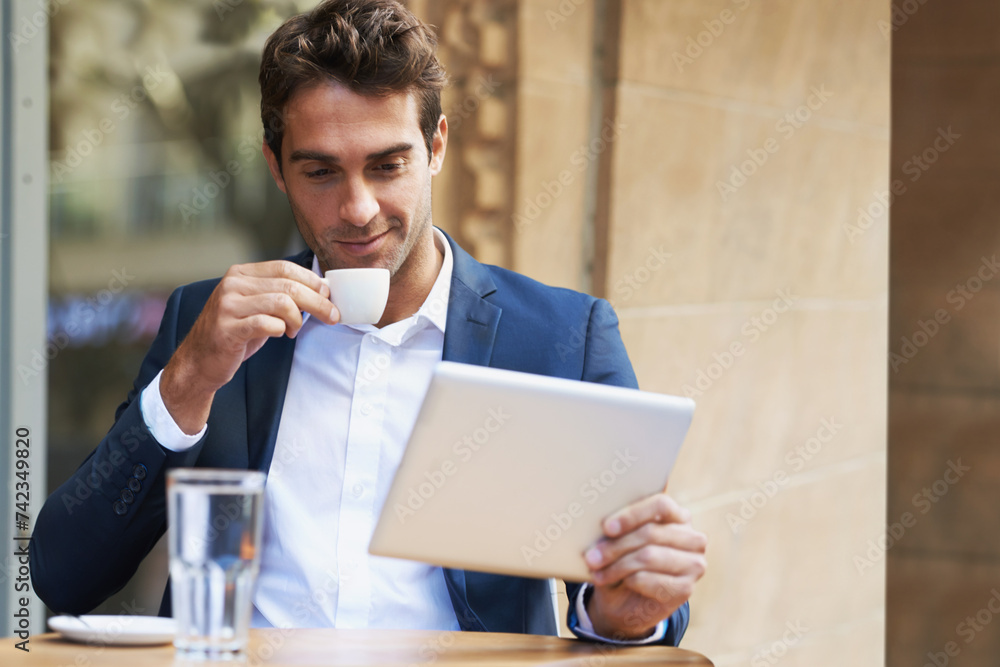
(115, 630)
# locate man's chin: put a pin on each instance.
(368, 262)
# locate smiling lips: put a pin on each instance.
(361, 248)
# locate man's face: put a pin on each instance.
(358, 178)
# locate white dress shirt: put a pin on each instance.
(352, 398)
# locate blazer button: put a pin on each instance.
(134, 485)
(119, 507)
(139, 471)
(128, 496)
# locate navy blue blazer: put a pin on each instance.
(94, 530)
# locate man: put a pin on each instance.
(252, 370)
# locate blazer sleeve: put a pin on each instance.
(95, 529)
(607, 362)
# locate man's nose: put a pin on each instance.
(359, 205)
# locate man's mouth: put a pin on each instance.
(364, 246)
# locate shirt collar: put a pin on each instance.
(434, 309)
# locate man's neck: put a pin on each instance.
(413, 281)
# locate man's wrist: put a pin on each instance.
(160, 423)
(583, 626)
(185, 397)
(605, 629)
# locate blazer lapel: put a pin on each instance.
(469, 335)
(266, 384)
(267, 380)
(468, 620)
(472, 320)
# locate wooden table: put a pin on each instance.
(363, 647)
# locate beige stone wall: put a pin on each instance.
(773, 267)
(800, 410)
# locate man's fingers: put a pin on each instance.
(654, 559)
(282, 269)
(304, 297)
(659, 508)
(240, 296)
(679, 536)
(260, 326)
(665, 589)
(273, 304)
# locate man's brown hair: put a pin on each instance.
(374, 47)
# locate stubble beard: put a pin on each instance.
(398, 257)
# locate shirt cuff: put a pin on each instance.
(159, 422)
(585, 627)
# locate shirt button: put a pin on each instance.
(366, 409)
(359, 490)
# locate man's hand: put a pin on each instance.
(645, 567)
(251, 303)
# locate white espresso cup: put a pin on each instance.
(359, 294)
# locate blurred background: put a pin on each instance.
(720, 170)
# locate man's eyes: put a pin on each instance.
(382, 169)
(389, 167)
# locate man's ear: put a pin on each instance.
(272, 164)
(439, 145)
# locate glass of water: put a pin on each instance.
(214, 518)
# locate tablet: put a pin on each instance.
(512, 473)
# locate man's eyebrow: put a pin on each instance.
(303, 155)
(398, 148)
